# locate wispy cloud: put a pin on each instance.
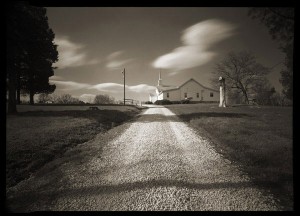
(69, 85)
(142, 88)
(114, 60)
(107, 87)
(116, 87)
(102, 87)
(71, 54)
(54, 77)
(114, 55)
(196, 48)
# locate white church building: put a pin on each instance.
(191, 89)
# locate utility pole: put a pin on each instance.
(124, 85)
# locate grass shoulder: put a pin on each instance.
(258, 139)
(35, 138)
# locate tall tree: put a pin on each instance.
(15, 47)
(287, 74)
(30, 52)
(241, 71)
(280, 22)
(263, 92)
(42, 53)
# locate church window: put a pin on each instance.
(185, 95)
(197, 95)
(167, 94)
(211, 94)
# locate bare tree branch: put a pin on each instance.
(281, 15)
(241, 71)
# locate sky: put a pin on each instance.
(95, 44)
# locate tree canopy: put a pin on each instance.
(280, 22)
(30, 51)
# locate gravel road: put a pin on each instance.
(156, 163)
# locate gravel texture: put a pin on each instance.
(154, 163)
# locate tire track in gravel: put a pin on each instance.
(158, 163)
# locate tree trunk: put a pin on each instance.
(18, 96)
(18, 89)
(31, 90)
(246, 96)
(12, 106)
(31, 95)
(244, 93)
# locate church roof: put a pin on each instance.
(166, 88)
(192, 79)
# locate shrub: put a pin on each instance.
(162, 102)
(65, 99)
(43, 98)
(104, 99)
(148, 102)
(176, 102)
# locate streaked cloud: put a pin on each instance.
(107, 87)
(72, 54)
(114, 55)
(54, 77)
(114, 60)
(102, 87)
(197, 42)
(69, 85)
(116, 87)
(142, 88)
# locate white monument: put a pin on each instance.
(222, 92)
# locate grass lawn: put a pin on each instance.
(34, 138)
(258, 139)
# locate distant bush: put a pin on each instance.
(104, 99)
(148, 102)
(66, 99)
(44, 98)
(176, 102)
(162, 102)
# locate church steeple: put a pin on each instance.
(159, 79)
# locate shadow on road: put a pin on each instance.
(109, 189)
(213, 114)
(146, 118)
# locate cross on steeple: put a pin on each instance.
(159, 74)
(159, 78)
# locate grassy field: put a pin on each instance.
(258, 139)
(65, 107)
(34, 138)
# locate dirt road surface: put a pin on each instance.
(154, 163)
